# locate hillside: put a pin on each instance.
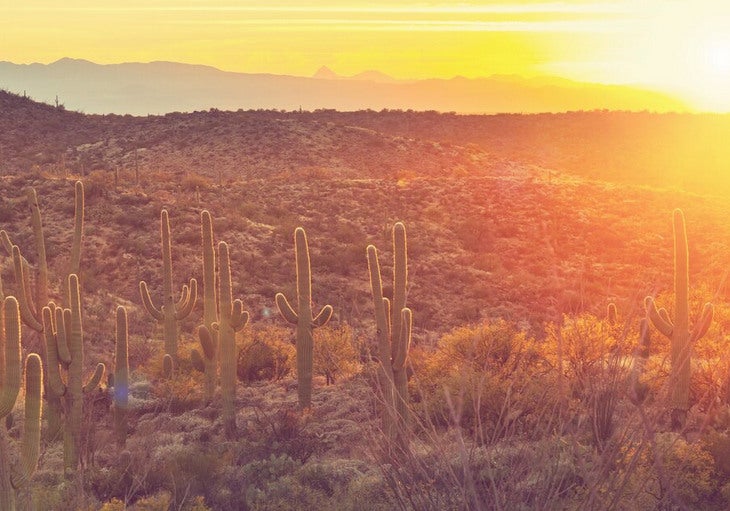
(494, 216)
(506, 260)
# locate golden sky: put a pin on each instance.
(680, 47)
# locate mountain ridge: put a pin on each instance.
(161, 87)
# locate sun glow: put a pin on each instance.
(677, 47)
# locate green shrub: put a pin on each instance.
(266, 354)
(335, 355)
(479, 377)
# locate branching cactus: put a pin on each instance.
(232, 318)
(221, 338)
(677, 329)
(394, 334)
(303, 318)
(170, 311)
(15, 475)
(121, 377)
(208, 361)
(65, 351)
(32, 299)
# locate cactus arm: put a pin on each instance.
(401, 354)
(11, 341)
(31, 439)
(703, 324)
(184, 297)
(54, 383)
(388, 326)
(196, 359)
(400, 377)
(381, 315)
(659, 320)
(95, 379)
(63, 322)
(5, 242)
(323, 317)
(285, 309)
(185, 308)
(665, 316)
(239, 317)
(23, 288)
(147, 302)
(206, 342)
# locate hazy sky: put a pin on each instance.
(682, 47)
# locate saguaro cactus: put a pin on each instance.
(302, 317)
(677, 329)
(232, 318)
(65, 350)
(221, 338)
(170, 312)
(394, 334)
(121, 377)
(14, 475)
(208, 362)
(33, 299)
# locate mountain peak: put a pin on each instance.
(325, 73)
(69, 60)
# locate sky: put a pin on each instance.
(678, 47)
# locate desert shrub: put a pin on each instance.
(587, 344)
(161, 501)
(685, 475)
(97, 184)
(280, 483)
(192, 181)
(266, 354)
(335, 355)
(481, 378)
(113, 505)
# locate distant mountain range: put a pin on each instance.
(162, 87)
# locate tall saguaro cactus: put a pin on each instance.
(208, 362)
(14, 475)
(220, 338)
(677, 329)
(231, 318)
(65, 350)
(171, 311)
(33, 299)
(121, 377)
(394, 334)
(302, 318)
